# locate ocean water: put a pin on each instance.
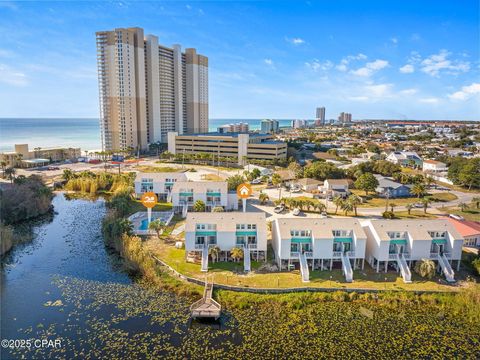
(83, 133)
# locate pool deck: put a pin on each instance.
(138, 217)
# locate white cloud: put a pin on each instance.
(269, 62)
(394, 40)
(11, 76)
(370, 68)
(6, 53)
(189, 7)
(430, 100)
(295, 41)
(408, 92)
(359, 98)
(343, 66)
(436, 63)
(466, 93)
(317, 65)
(407, 69)
(379, 90)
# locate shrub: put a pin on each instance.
(388, 215)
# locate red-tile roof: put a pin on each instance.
(466, 227)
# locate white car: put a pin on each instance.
(295, 189)
(296, 211)
(256, 181)
(278, 209)
(456, 217)
(323, 215)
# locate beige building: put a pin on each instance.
(22, 156)
(238, 145)
(147, 89)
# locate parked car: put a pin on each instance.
(456, 217)
(295, 189)
(296, 212)
(256, 181)
(323, 215)
(278, 209)
(53, 168)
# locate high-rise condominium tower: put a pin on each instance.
(147, 89)
(320, 118)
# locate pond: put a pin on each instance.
(67, 288)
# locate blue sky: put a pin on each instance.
(375, 59)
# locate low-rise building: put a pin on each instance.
(470, 231)
(308, 184)
(319, 244)
(434, 166)
(399, 243)
(23, 157)
(405, 158)
(242, 146)
(335, 187)
(184, 194)
(387, 187)
(159, 183)
(225, 231)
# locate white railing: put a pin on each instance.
(433, 255)
(347, 268)
(404, 269)
(447, 255)
(337, 254)
(392, 256)
(406, 255)
(205, 259)
(246, 259)
(351, 254)
(308, 254)
(294, 254)
(252, 246)
(199, 246)
(304, 268)
(446, 268)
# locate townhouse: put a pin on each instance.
(225, 231)
(405, 158)
(159, 183)
(184, 194)
(399, 243)
(434, 166)
(319, 244)
(469, 230)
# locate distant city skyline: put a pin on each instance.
(281, 60)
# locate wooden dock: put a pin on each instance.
(206, 307)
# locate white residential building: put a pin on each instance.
(335, 187)
(159, 183)
(213, 193)
(318, 244)
(400, 243)
(404, 158)
(227, 230)
(434, 166)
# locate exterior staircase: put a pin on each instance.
(205, 258)
(304, 268)
(185, 211)
(347, 268)
(246, 259)
(404, 269)
(446, 268)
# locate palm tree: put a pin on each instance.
(263, 198)
(425, 202)
(392, 206)
(277, 181)
(425, 268)
(338, 201)
(409, 208)
(321, 207)
(418, 190)
(347, 206)
(125, 226)
(236, 253)
(476, 201)
(10, 173)
(463, 206)
(214, 252)
(158, 226)
(199, 206)
(355, 201)
(429, 181)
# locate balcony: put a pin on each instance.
(199, 246)
(214, 193)
(342, 239)
(186, 193)
(308, 254)
(246, 233)
(337, 255)
(294, 254)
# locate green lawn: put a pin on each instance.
(136, 205)
(469, 214)
(156, 169)
(226, 273)
(376, 201)
(414, 214)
